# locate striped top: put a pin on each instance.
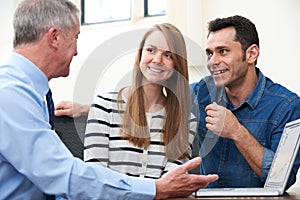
(103, 144)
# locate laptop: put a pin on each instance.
(279, 172)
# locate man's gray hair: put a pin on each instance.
(33, 18)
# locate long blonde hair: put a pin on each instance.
(175, 128)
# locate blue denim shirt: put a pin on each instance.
(264, 114)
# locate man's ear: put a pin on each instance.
(54, 35)
(252, 53)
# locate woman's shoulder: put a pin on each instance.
(107, 95)
(113, 97)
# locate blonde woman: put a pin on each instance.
(146, 129)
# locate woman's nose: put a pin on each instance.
(157, 57)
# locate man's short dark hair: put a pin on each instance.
(246, 32)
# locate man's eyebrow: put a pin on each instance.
(217, 48)
(221, 47)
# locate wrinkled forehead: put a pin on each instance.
(158, 40)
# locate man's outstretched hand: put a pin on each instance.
(178, 183)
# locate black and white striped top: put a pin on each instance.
(103, 144)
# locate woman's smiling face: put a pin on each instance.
(157, 64)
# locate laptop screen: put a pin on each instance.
(284, 156)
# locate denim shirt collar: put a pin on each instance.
(255, 97)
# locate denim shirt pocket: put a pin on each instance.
(260, 130)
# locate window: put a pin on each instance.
(100, 11)
(155, 7)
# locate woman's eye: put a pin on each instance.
(150, 50)
(168, 55)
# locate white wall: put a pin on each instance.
(6, 34)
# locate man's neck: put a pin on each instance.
(239, 93)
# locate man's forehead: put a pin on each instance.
(222, 38)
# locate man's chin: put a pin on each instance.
(62, 75)
(219, 83)
(65, 74)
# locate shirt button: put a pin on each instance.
(220, 183)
